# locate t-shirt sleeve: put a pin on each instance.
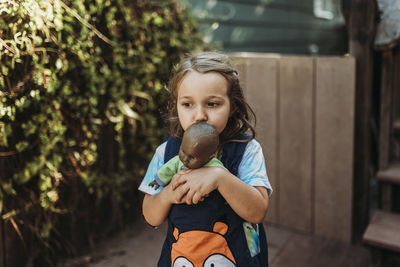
(252, 168)
(214, 162)
(167, 171)
(155, 164)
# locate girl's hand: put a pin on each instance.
(156, 207)
(197, 184)
(175, 195)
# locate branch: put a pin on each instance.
(84, 22)
(11, 153)
(74, 163)
(6, 46)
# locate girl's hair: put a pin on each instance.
(239, 121)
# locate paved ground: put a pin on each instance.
(140, 245)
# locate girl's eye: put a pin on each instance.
(213, 104)
(186, 104)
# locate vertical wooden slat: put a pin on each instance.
(361, 24)
(386, 100)
(258, 76)
(385, 125)
(261, 93)
(395, 138)
(295, 152)
(335, 105)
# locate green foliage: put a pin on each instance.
(81, 90)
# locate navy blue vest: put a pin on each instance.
(201, 218)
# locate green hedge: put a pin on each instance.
(81, 90)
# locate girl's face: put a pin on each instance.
(203, 97)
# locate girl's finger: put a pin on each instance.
(184, 171)
(178, 183)
(177, 180)
(196, 198)
(189, 197)
(180, 194)
(176, 176)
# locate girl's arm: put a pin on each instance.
(250, 203)
(155, 208)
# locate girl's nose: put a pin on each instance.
(200, 115)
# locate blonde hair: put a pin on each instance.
(203, 62)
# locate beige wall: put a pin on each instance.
(305, 124)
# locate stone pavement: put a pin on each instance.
(140, 245)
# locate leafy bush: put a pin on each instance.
(81, 90)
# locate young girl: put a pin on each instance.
(214, 216)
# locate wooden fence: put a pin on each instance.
(305, 124)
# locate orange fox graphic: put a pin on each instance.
(202, 249)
